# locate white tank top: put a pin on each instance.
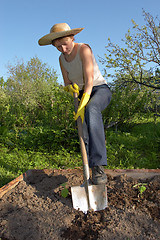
(75, 70)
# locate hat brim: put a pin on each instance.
(47, 39)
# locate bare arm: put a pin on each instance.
(64, 74)
(88, 71)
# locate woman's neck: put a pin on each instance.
(71, 56)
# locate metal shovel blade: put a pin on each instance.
(97, 197)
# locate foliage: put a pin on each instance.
(16, 161)
(32, 96)
(64, 191)
(126, 102)
(135, 85)
(37, 115)
(141, 188)
(135, 145)
(139, 60)
(37, 129)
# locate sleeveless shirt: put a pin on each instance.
(75, 70)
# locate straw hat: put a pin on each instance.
(58, 30)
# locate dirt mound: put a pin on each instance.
(35, 209)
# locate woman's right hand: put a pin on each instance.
(72, 88)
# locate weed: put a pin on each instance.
(141, 188)
(64, 191)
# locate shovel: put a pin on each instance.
(87, 197)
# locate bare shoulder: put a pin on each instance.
(85, 50)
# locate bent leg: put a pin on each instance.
(100, 98)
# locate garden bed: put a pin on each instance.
(32, 207)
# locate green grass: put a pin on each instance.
(132, 146)
(137, 147)
(15, 162)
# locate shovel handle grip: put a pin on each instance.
(80, 132)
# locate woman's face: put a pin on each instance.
(64, 45)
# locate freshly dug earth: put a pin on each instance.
(35, 209)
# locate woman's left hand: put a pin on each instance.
(81, 108)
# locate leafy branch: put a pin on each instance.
(140, 56)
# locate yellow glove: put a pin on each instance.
(81, 109)
(72, 88)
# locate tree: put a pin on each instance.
(139, 61)
(35, 97)
(127, 102)
(4, 102)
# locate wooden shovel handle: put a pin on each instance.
(80, 132)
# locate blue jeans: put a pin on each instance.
(93, 128)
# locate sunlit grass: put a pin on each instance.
(135, 145)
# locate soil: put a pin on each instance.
(35, 209)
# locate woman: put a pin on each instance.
(81, 74)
